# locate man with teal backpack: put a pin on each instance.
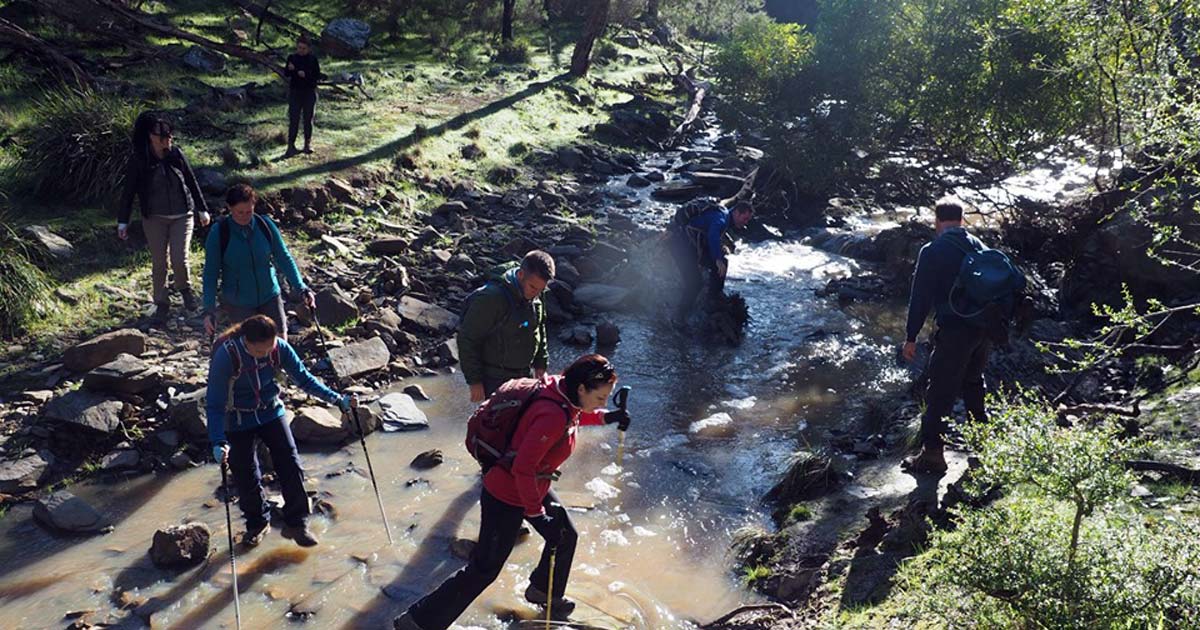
(972, 291)
(502, 334)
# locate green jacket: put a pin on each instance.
(502, 335)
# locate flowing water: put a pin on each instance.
(713, 428)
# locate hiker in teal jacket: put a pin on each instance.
(503, 330)
(241, 254)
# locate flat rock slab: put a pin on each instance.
(428, 316)
(86, 409)
(602, 297)
(126, 374)
(388, 246)
(22, 474)
(360, 358)
(56, 245)
(66, 512)
(399, 412)
(97, 351)
(676, 191)
(318, 425)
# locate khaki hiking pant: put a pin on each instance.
(165, 236)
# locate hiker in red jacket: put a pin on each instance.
(543, 440)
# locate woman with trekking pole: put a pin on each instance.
(516, 488)
(243, 407)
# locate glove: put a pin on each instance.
(220, 452)
(549, 528)
(620, 417)
(347, 401)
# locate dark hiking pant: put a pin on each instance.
(498, 529)
(690, 271)
(272, 308)
(302, 106)
(243, 463)
(960, 353)
(492, 383)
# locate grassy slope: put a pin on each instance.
(505, 115)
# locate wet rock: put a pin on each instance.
(203, 60)
(345, 37)
(570, 158)
(677, 191)
(809, 476)
(85, 409)
(428, 459)
(388, 246)
(126, 374)
(66, 512)
(180, 545)
(602, 297)
(462, 548)
(447, 352)
(417, 392)
(334, 307)
(717, 424)
(718, 183)
(637, 181)
(17, 476)
(359, 358)
(54, 244)
(566, 272)
(188, 415)
(181, 461)
(607, 334)
(100, 350)
(168, 439)
(318, 425)
(123, 459)
(429, 317)
(400, 413)
(576, 336)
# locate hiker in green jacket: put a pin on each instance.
(502, 335)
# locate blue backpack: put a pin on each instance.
(987, 285)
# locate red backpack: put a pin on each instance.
(490, 429)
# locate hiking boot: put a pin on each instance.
(561, 609)
(930, 461)
(300, 535)
(189, 300)
(255, 535)
(406, 622)
(308, 150)
(291, 151)
(162, 312)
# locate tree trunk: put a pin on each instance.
(597, 20)
(17, 38)
(506, 24)
(651, 12)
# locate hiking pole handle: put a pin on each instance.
(621, 398)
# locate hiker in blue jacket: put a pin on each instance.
(243, 406)
(961, 347)
(695, 243)
(241, 255)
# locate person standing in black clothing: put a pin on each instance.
(960, 348)
(303, 71)
(170, 197)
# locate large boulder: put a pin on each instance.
(86, 409)
(1123, 243)
(429, 317)
(188, 415)
(319, 425)
(345, 37)
(100, 350)
(602, 297)
(204, 60)
(400, 413)
(334, 307)
(180, 545)
(359, 358)
(23, 474)
(126, 374)
(211, 181)
(66, 512)
(122, 459)
(54, 244)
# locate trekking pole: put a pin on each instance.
(237, 607)
(362, 439)
(550, 586)
(621, 399)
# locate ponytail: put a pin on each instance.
(255, 329)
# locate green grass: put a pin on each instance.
(755, 573)
(799, 513)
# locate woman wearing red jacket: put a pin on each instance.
(543, 440)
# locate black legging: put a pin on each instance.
(302, 105)
(243, 463)
(690, 266)
(499, 526)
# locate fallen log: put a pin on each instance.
(1174, 471)
(17, 38)
(698, 92)
(265, 14)
(1099, 408)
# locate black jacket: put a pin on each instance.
(137, 182)
(312, 72)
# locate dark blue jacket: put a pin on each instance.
(255, 392)
(937, 269)
(710, 226)
(246, 271)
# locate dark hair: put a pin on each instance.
(147, 123)
(303, 39)
(591, 371)
(949, 209)
(742, 206)
(540, 263)
(256, 329)
(238, 193)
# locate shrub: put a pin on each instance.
(514, 52)
(77, 147)
(607, 51)
(1066, 549)
(23, 286)
(762, 58)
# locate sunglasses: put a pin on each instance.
(601, 373)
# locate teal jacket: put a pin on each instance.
(246, 271)
(502, 335)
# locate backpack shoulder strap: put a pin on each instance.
(965, 244)
(235, 357)
(223, 231)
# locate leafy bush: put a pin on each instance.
(1066, 549)
(762, 59)
(76, 147)
(514, 52)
